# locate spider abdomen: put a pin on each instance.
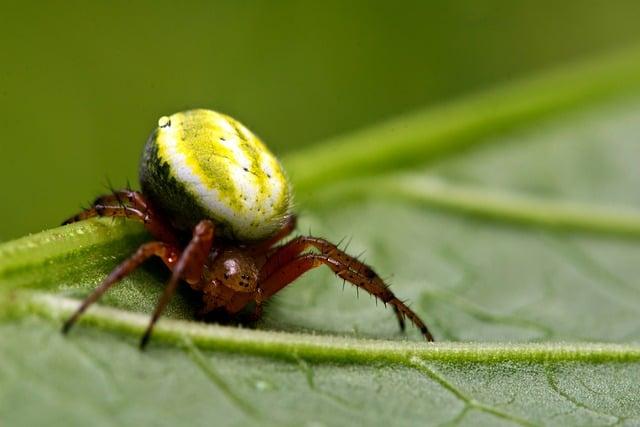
(202, 164)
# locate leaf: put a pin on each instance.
(519, 250)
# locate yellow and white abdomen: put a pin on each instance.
(202, 164)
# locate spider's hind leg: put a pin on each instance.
(400, 318)
(120, 203)
(289, 262)
(129, 204)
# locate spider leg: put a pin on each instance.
(289, 251)
(257, 310)
(100, 210)
(168, 254)
(129, 204)
(372, 284)
(400, 318)
(116, 199)
(189, 267)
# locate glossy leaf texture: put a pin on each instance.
(516, 239)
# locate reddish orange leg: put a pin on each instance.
(257, 310)
(189, 267)
(287, 264)
(137, 206)
(374, 285)
(129, 204)
(167, 253)
(288, 252)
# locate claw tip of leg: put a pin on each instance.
(67, 326)
(427, 335)
(144, 341)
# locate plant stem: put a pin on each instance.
(490, 204)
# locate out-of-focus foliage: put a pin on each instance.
(82, 84)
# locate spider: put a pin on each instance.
(217, 203)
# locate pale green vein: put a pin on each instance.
(424, 135)
(492, 204)
(607, 283)
(112, 389)
(199, 360)
(453, 298)
(551, 380)
(458, 418)
(316, 347)
(482, 315)
(424, 369)
(307, 370)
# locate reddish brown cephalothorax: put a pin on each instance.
(217, 203)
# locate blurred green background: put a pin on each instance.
(83, 83)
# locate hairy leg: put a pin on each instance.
(132, 200)
(129, 204)
(169, 255)
(288, 263)
(287, 252)
(189, 267)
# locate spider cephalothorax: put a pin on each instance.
(218, 202)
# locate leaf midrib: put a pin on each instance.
(310, 347)
(500, 206)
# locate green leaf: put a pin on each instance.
(519, 248)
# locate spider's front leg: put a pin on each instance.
(169, 255)
(289, 262)
(129, 204)
(189, 267)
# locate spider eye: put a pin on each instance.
(231, 267)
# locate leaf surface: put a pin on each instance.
(519, 248)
